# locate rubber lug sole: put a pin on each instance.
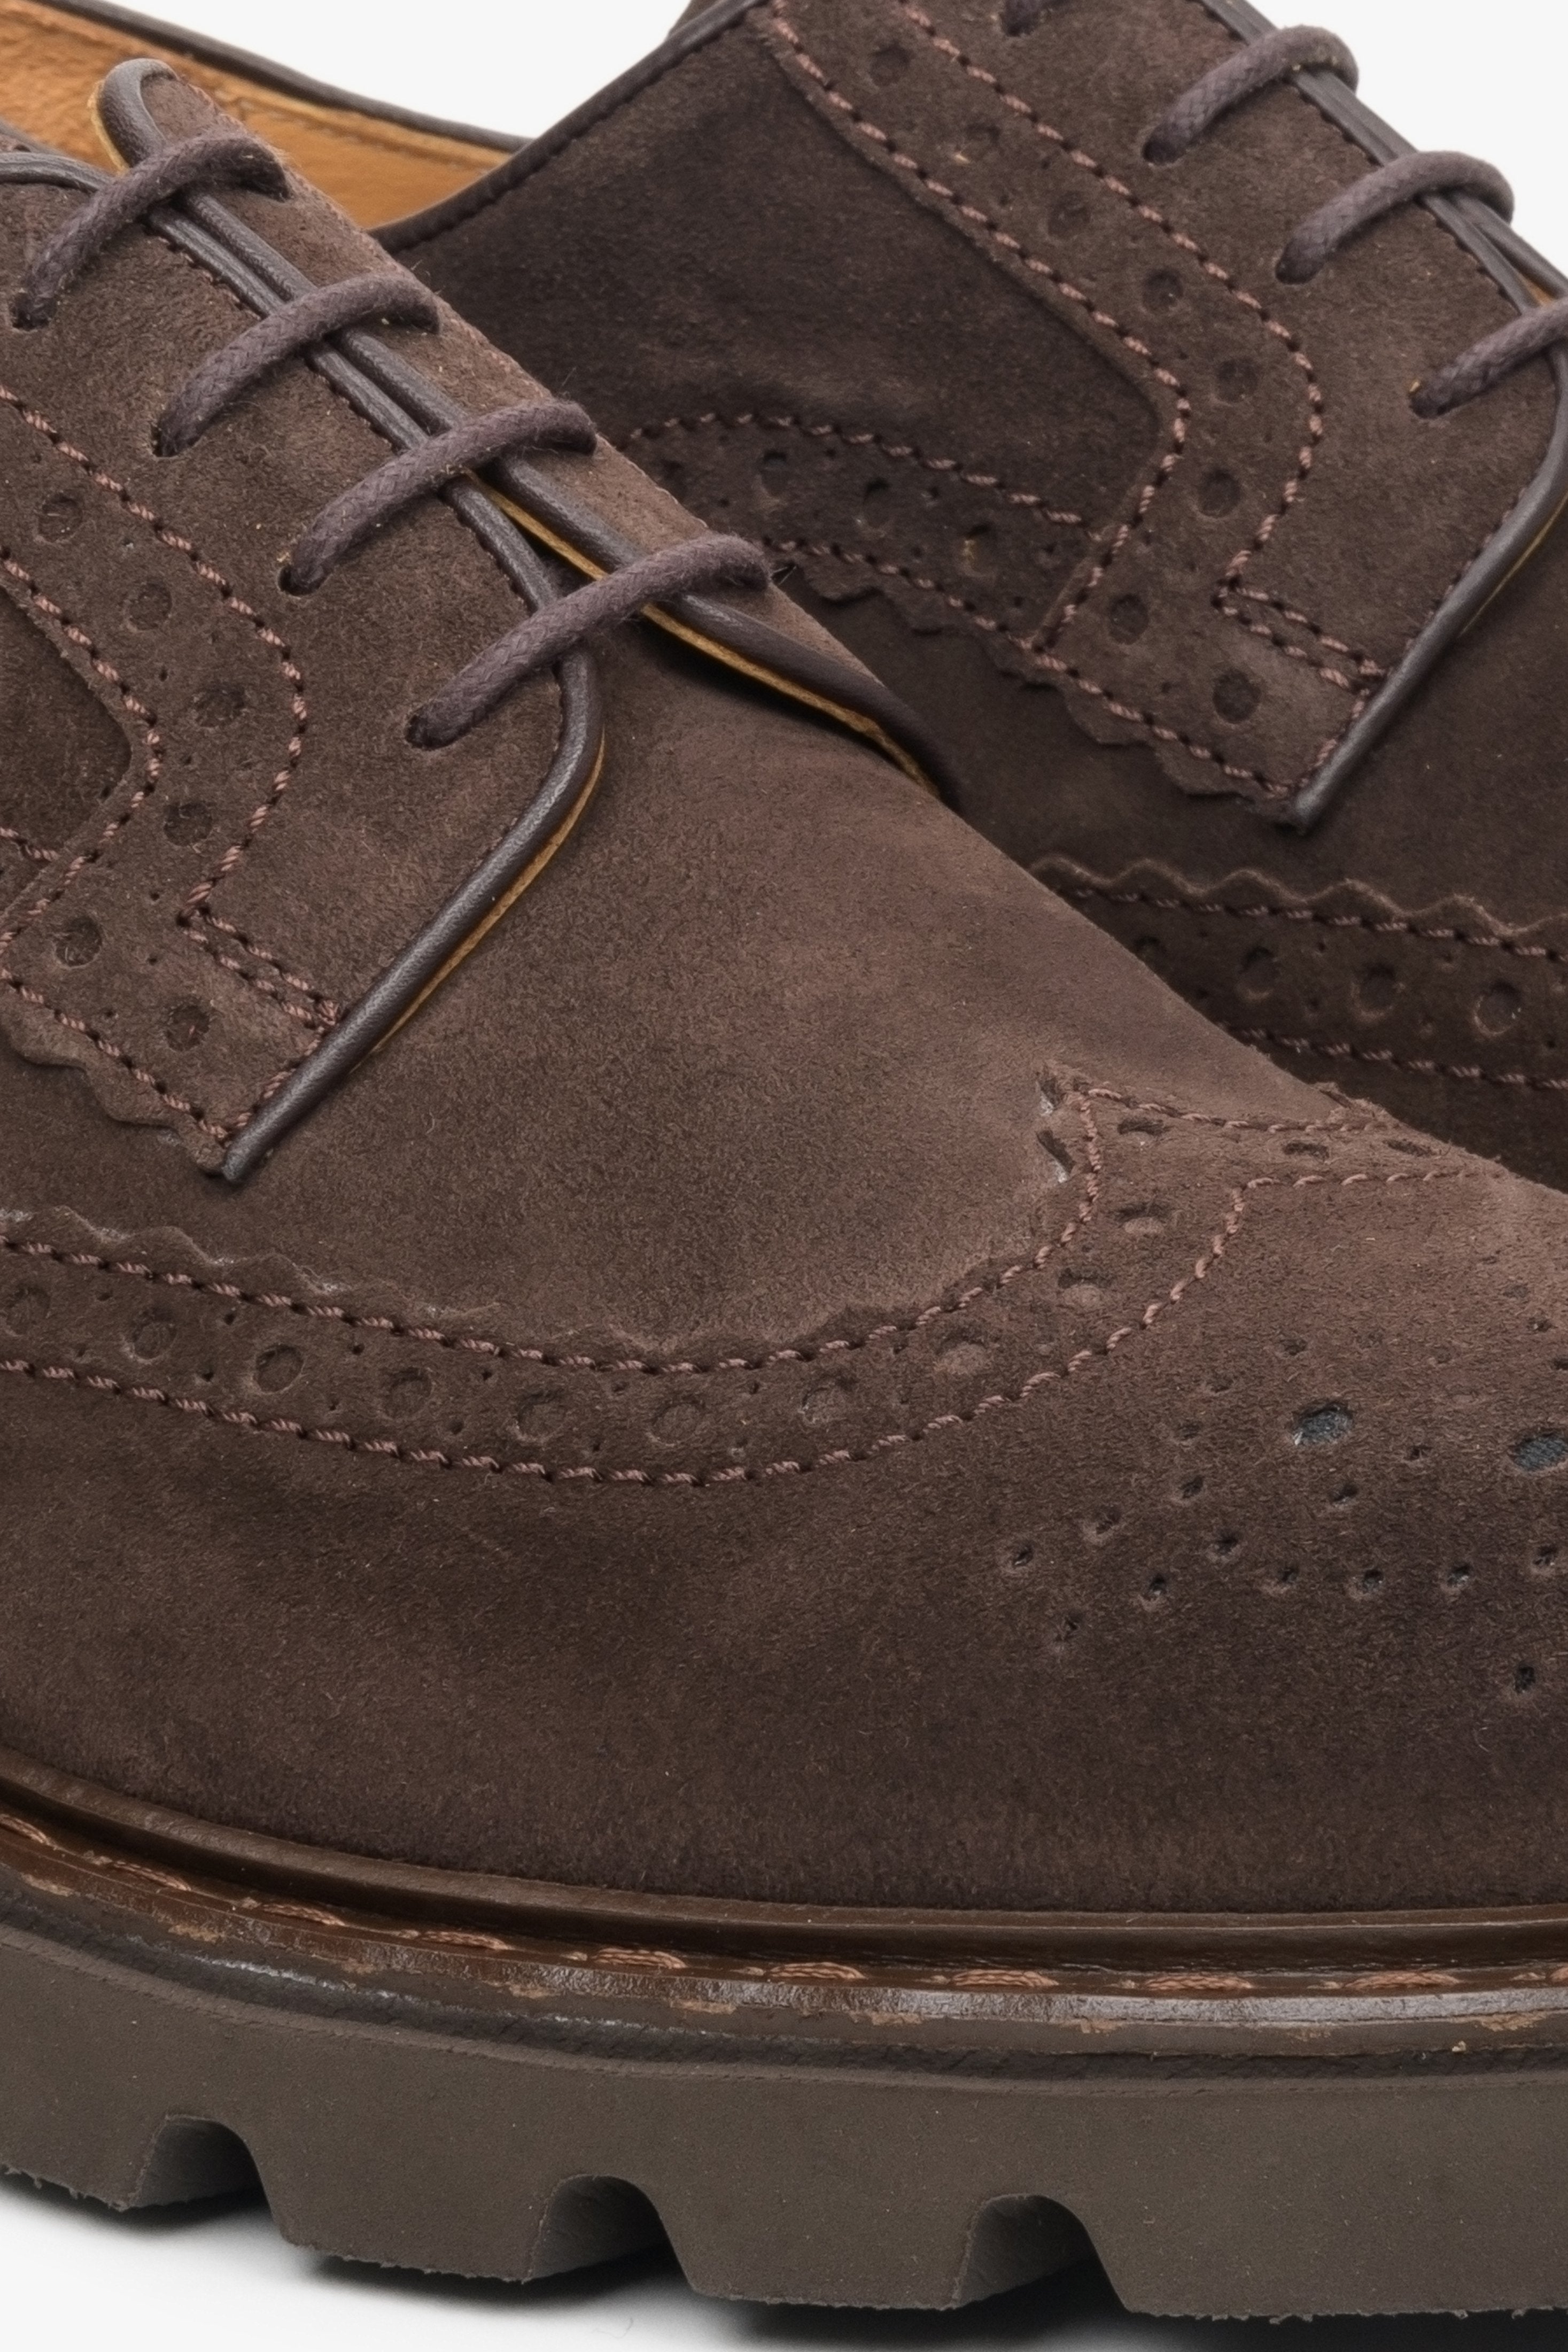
(448, 2099)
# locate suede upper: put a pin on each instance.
(803, 1371)
(1138, 526)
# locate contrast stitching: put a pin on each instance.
(1391, 927)
(288, 986)
(233, 602)
(499, 1352)
(1047, 660)
(39, 856)
(1316, 405)
(429, 1458)
(1316, 419)
(1341, 1126)
(1368, 672)
(1317, 422)
(957, 467)
(228, 596)
(1520, 1080)
(1366, 667)
(153, 769)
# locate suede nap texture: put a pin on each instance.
(1132, 524)
(804, 1373)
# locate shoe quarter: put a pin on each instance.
(274, 839)
(1299, 524)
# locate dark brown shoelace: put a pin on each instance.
(223, 159)
(1263, 65)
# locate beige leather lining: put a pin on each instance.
(858, 722)
(52, 62)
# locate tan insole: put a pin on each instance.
(51, 63)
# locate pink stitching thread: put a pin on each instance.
(499, 1352)
(40, 856)
(955, 466)
(1340, 1126)
(586, 1476)
(1233, 576)
(1394, 927)
(1518, 1079)
(1317, 406)
(1317, 418)
(153, 769)
(210, 577)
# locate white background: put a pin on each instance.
(1449, 73)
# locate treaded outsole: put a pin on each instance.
(443, 2098)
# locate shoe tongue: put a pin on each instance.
(145, 106)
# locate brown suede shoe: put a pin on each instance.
(1069, 360)
(1124, 409)
(783, 1555)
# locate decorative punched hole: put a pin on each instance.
(827, 1401)
(1156, 1592)
(1260, 974)
(1323, 1425)
(1524, 1681)
(1146, 1218)
(185, 1027)
(1018, 1558)
(149, 606)
(189, 823)
(1544, 1561)
(78, 943)
(1459, 1578)
(1236, 380)
(889, 65)
(1498, 1010)
(1368, 1585)
(218, 706)
(1236, 696)
(27, 1308)
(408, 1392)
(153, 1338)
(1376, 990)
(59, 517)
(1022, 16)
